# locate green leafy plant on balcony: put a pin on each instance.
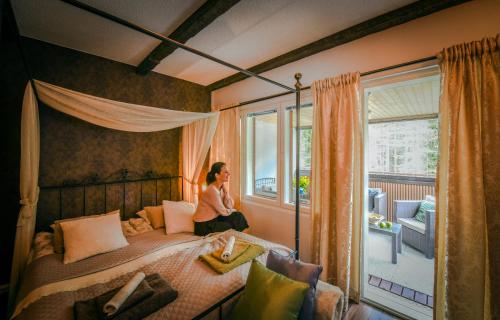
(304, 183)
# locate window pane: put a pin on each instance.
(263, 130)
(305, 153)
(404, 147)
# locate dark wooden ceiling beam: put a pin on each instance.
(385, 21)
(200, 19)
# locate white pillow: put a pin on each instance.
(178, 216)
(87, 237)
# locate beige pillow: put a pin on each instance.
(155, 216)
(140, 225)
(84, 238)
(58, 234)
(178, 216)
(127, 229)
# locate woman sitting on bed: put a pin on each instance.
(215, 212)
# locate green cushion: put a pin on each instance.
(269, 295)
(424, 206)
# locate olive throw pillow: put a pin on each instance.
(269, 295)
(299, 271)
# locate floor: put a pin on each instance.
(413, 271)
(363, 311)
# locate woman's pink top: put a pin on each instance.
(213, 203)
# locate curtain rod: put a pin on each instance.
(364, 74)
(170, 41)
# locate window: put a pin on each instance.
(262, 160)
(404, 147)
(269, 153)
(305, 153)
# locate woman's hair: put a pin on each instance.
(216, 168)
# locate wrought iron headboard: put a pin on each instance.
(124, 190)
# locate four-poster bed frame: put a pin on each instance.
(296, 90)
(289, 90)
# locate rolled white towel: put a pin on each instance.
(228, 249)
(119, 298)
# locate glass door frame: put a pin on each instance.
(392, 76)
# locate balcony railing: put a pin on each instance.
(400, 187)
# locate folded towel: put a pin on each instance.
(252, 252)
(115, 303)
(238, 248)
(228, 249)
(162, 295)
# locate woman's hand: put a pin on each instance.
(224, 188)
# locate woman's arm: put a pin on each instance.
(214, 199)
(227, 200)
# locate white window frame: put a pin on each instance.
(280, 104)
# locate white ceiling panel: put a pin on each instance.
(258, 30)
(59, 23)
(249, 33)
(404, 99)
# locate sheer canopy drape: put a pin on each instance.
(196, 139)
(226, 148)
(99, 111)
(468, 219)
(30, 158)
(337, 175)
(113, 114)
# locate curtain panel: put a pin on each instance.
(468, 186)
(226, 148)
(102, 112)
(196, 139)
(337, 181)
(30, 158)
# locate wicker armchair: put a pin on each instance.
(378, 203)
(419, 235)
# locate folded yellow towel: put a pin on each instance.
(238, 249)
(253, 251)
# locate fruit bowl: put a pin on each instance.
(375, 218)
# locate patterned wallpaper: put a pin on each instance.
(72, 149)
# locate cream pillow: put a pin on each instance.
(87, 237)
(155, 216)
(178, 216)
(58, 233)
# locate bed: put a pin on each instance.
(50, 288)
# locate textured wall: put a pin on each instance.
(72, 149)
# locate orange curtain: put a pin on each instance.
(468, 215)
(337, 177)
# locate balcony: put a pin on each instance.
(408, 283)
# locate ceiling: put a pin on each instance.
(406, 99)
(249, 33)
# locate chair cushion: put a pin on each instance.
(269, 295)
(424, 206)
(299, 271)
(413, 224)
(372, 192)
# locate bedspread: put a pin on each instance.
(199, 286)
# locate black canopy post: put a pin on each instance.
(298, 86)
